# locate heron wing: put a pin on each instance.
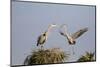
(38, 40)
(62, 33)
(41, 39)
(79, 33)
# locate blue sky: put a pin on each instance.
(29, 20)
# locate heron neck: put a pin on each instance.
(48, 30)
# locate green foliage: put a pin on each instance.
(87, 57)
(41, 56)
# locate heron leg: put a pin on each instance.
(42, 47)
(73, 50)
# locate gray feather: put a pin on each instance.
(79, 33)
(41, 39)
(62, 33)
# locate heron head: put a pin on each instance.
(53, 25)
(50, 27)
(63, 26)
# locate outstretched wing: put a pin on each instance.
(79, 33)
(62, 33)
(65, 35)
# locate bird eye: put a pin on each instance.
(44, 34)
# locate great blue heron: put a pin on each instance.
(43, 37)
(72, 38)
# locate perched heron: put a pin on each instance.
(43, 37)
(72, 38)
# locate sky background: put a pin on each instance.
(29, 20)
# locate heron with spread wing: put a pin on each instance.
(72, 38)
(43, 37)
